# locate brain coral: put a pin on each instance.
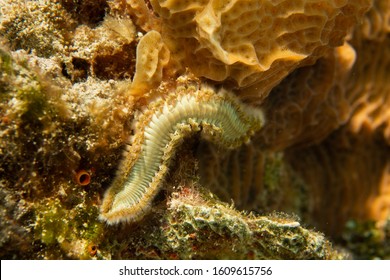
(253, 43)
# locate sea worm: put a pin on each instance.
(220, 117)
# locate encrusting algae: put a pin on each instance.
(241, 121)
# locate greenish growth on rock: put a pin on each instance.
(42, 26)
(5, 63)
(37, 163)
(282, 188)
(367, 240)
(197, 226)
(197, 231)
(51, 224)
(274, 183)
(5, 74)
(28, 94)
(33, 117)
(273, 171)
(203, 226)
(44, 142)
(67, 232)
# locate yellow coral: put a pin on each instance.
(376, 23)
(253, 42)
(152, 56)
(301, 110)
(348, 174)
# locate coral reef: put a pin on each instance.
(195, 220)
(354, 168)
(253, 43)
(82, 81)
(265, 184)
(308, 111)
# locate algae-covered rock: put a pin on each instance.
(42, 26)
(37, 163)
(193, 224)
(201, 227)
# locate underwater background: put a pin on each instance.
(257, 129)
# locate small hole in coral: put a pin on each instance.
(64, 71)
(81, 69)
(83, 178)
(92, 249)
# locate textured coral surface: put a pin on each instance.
(80, 80)
(254, 43)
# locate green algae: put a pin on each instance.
(69, 231)
(367, 240)
(33, 97)
(273, 172)
(5, 63)
(198, 226)
(35, 154)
